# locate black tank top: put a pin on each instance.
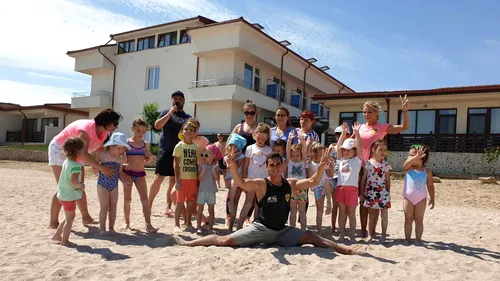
(248, 137)
(274, 207)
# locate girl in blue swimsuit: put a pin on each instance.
(107, 187)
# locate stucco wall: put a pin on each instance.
(443, 163)
(10, 122)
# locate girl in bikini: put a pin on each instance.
(417, 181)
(107, 187)
(137, 157)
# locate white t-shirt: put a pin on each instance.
(349, 172)
(257, 166)
(314, 168)
(297, 170)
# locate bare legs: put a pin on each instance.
(320, 206)
(235, 192)
(211, 218)
(249, 202)
(155, 188)
(335, 208)
(344, 212)
(142, 189)
(64, 229)
(55, 206)
(363, 217)
(108, 201)
(414, 213)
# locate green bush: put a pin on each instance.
(491, 154)
(154, 149)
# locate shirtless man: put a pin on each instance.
(273, 195)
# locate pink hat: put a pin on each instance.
(217, 154)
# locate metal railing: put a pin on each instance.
(469, 143)
(92, 94)
(16, 136)
(229, 81)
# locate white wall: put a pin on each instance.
(10, 122)
(102, 80)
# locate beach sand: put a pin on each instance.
(462, 234)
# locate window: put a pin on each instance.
(283, 88)
(315, 108)
(52, 122)
(126, 46)
(145, 43)
(248, 75)
(440, 121)
(296, 98)
(351, 117)
(185, 38)
(153, 81)
(483, 121)
(256, 80)
(167, 39)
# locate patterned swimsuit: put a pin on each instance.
(110, 183)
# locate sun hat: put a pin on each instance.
(238, 141)
(180, 136)
(339, 130)
(349, 144)
(117, 139)
(217, 154)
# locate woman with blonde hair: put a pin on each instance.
(372, 131)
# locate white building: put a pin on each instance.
(218, 65)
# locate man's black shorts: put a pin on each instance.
(165, 164)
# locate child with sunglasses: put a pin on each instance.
(208, 172)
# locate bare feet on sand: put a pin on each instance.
(169, 213)
(177, 229)
(151, 229)
(57, 238)
(89, 220)
(53, 225)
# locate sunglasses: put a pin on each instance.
(416, 146)
(204, 155)
(281, 115)
(251, 113)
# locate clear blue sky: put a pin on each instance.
(368, 45)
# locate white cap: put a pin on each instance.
(117, 139)
(339, 130)
(349, 144)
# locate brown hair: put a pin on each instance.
(72, 146)
(264, 129)
(296, 146)
(375, 145)
(288, 122)
(316, 147)
(250, 102)
(140, 122)
(279, 143)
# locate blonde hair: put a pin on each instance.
(315, 148)
(250, 103)
(374, 105)
(264, 129)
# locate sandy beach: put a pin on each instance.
(461, 235)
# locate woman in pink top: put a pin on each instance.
(93, 132)
(372, 131)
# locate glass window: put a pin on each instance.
(478, 110)
(126, 46)
(412, 114)
(153, 81)
(296, 98)
(477, 121)
(145, 43)
(495, 121)
(167, 39)
(256, 80)
(315, 108)
(248, 76)
(426, 120)
(447, 121)
(347, 117)
(283, 91)
(185, 38)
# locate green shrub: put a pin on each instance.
(491, 154)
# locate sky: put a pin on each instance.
(368, 45)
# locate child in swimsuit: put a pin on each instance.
(319, 191)
(69, 188)
(137, 157)
(296, 168)
(107, 187)
(375, 188)
(417, 181)
(234, 147)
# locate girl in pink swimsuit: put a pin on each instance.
(418, 179)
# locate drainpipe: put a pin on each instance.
(114, 73)
(343, 86)
(281, 78)
(388, 102)
(23, 127)
(64, 119)
(304, 87)
(196, 83)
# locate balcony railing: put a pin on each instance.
(228, 81)
(16, 136)
(92, 93)
(469, 143)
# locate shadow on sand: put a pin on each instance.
(105, 253)
(464, 250)
(135, 238)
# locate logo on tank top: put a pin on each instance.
(287, 197)
(272, 199)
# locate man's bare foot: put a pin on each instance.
(177, 229)
(178, 241)
(53, 225)
(56, 238)
(151, 229)
(190, 228)
(357, 250)
(89, 221)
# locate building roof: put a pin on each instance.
(65, 107)
(88, 49)
(429, 92)
(7, 104)
(200, 18)
(241, 19)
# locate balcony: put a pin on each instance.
(468, 143)
(231, 89)
(93, 99)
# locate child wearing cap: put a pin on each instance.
(235, 145)
(333, 173)
(107, 187)
(350, 155)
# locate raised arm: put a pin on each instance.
(359, 151)
(162, 121)
(248, 185)
(201, 173)
(396, 129)
(289, 142)
(409, 161)
(315, 180)
(343, 135)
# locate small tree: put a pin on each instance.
(150, 113)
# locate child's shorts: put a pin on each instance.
(188, 192)
(319, 191)
(347, 195)
(333, 182)
(68, 206)
(206, 197)
(299, 196)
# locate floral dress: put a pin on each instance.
(376, 194)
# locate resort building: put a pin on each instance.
(36, 123)
(457, 123)
(217, 65)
